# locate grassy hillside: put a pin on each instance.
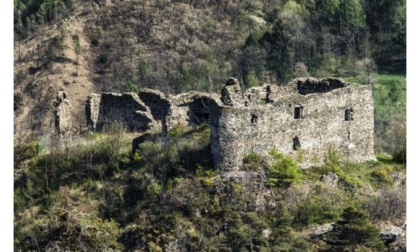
(96, 195)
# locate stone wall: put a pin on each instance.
(159, 105)
(62, 113)
(303, 126)
(148, 109)
(105, 108)
(302, 119)
(93, 104)
(187, 108)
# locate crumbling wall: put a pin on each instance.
(159, 105)
(93, 104)
(301, 126)
(62, 113)
(311, 85)
(231, 92)
(103, 109)
(150, 107)
(189, 109)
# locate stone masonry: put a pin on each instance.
(62, 113)
(188, 108)
(302, 119)
(148, 109)
(105, 108)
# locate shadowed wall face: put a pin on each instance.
(127, 108)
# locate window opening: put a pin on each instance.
(254, 119)
(348, 115)
(298, 112)
(296, 143)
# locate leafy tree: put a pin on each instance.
(251, 41)
(351, 15)
(279, 51)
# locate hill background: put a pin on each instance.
(170, 197)
(176, 46)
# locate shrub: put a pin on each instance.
(332, 160)
(153, 188)
(207, 182)
(25, 151)
(400, 156)
(315, 209)
(382, 175)
(130, 87)
(283, 172)
(253, 162)
(178, 130)
(114, 140)
(61, 229)
(387, 205)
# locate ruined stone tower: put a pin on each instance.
(302, 119)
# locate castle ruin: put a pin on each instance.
(302, 119)
(146, 110)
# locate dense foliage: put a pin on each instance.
(254, 40)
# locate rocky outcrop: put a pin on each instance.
(318, 233)
(390, 234)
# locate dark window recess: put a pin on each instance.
(298, 112)
(198, 111)
(348, 115)
(254, 119)
(348, 136)
(296, 143)
(201, 117)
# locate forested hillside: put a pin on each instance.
(175, 46)
(96, 194)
